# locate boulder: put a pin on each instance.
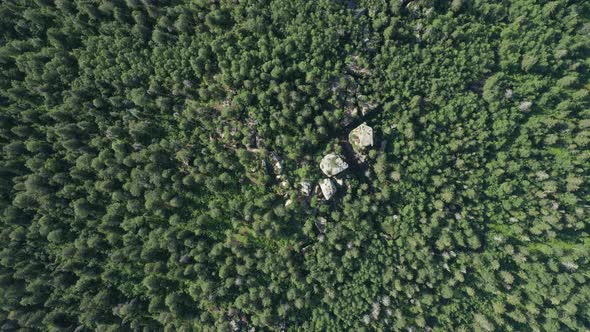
(361, 137)
(305, 188)
(332, 164)
(525, 106)
(328, 188)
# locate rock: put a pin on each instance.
(328, 188)
(332, 164)
(276, 163)
(508, 94)
(367, 107)
(349, 115)
(259, 142)
(525, 106)
(288, 202)
(376, 310)
(361, 137)
(340, 182)
(542, 175)
(321, 223)
(317, 190)
(305, 188)
(356, 68)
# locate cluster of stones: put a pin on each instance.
(332, 164)
(361, 138)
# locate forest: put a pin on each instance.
(294, 165)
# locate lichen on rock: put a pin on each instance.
(332, 164)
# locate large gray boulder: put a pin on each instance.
(328, 188)
(332, 164)
(361, 137)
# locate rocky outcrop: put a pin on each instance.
(332, 164)
(328, 188)
(361, 138)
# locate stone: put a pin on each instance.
(542, 175)
(355, 67)
(328, 188)
(361, 137)
(321, 223)
(276, 163)
(317, 190)
(349, 115)
(332, 164)
(525, 106)
(508, 94)
(305, 188)
(367, 107)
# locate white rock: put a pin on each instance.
(305, 188)
(361, 137)
(328, 188)
(570, 265)
(508, 94)
(332, 164)
(366, 319)
(542, 175)
(525, 106)
(376, 310)
(276, 163)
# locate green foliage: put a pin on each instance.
(148, 151)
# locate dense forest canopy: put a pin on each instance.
(160, 162)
